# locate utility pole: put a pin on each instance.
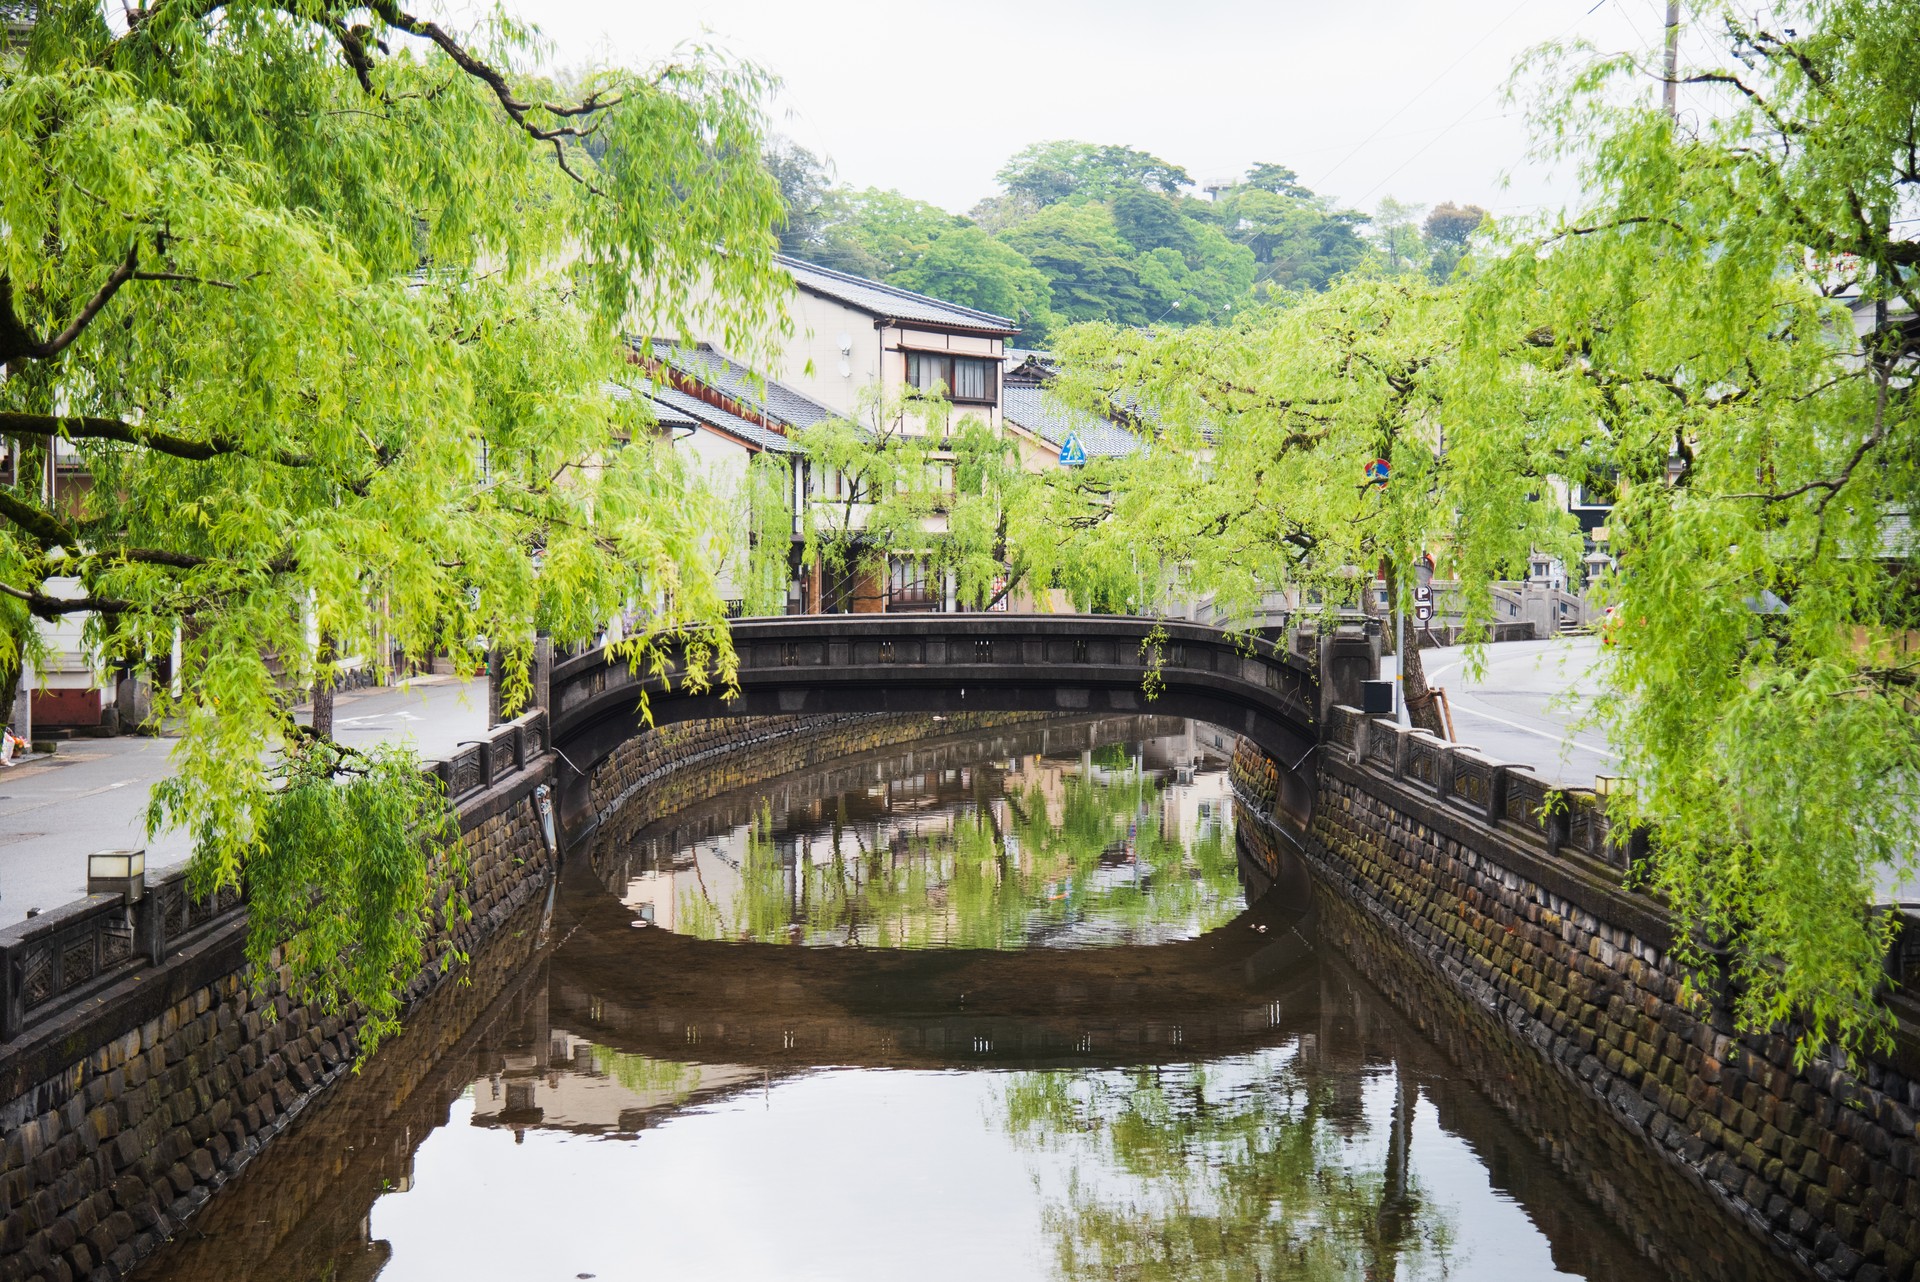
(1672, 92)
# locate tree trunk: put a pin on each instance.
(1423, 709)
(10, 690)
(323, 689)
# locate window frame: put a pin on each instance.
(946, 365)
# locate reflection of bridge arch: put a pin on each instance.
(616, 847)
(826, 664)
(672, 996)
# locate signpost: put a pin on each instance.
(1072, 453)
(1423, 589)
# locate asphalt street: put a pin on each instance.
(92, 793)
(1524, 707)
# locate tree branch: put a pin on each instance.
(52, 608)
(17, 344)
(84, 427)
(193, 280)
(44, 527)
(394, 16)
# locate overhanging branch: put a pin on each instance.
(84, 427)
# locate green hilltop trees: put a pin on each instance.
(1082, 232)
(326, 299)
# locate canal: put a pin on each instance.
(1025, 1006)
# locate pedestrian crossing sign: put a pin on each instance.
(1072, 453)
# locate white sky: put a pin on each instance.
(1366, 99)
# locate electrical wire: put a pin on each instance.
(1402, 110)
(1461, 119)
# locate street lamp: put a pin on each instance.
(117, 872)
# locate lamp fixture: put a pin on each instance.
(117, 872)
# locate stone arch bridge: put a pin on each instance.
(952, 663)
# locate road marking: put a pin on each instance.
(377, 716)
(74, 796)
(1551, 738)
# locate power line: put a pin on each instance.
(1322, 180)
(1461, 119)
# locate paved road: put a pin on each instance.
(92, 794)
(1520, 709)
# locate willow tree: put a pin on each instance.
(325, 298)
(1726, 325)
(1274, 1165)
(1263, 470)
(909, 478)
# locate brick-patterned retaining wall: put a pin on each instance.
(292, 1218)
(1544, 953)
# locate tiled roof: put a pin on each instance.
(709, 365)
(663, 414)
(1052, 419)
(691, 409)
(875, 299)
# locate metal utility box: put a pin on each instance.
(1376, 698)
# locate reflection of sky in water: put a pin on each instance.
(887, 1175)
(1130, 843)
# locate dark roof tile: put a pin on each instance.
(876, 299)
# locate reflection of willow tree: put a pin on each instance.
(1100, 856)
(1247, 1169)
(644, 1075)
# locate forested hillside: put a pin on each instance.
(1082, 232)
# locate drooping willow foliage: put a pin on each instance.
(327, 299)
(346, 928)
(769, 498)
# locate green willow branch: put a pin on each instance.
(52, 608)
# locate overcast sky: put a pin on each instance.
(1366, 98)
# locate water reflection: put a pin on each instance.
(1239, 1103)
(1273, 1165)
(1128, 841)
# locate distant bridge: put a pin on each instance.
(948, 663)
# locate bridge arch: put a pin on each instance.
(949, 663)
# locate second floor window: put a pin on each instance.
(965, 378)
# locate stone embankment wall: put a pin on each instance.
(123, 1114)
(1438, 863)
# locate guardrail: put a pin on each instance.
(1497, 793)
(477, 766)
(64, 955)
(72, 950)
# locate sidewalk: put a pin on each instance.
(92, 794)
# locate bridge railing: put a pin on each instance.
(1124, 647)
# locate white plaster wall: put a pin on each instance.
(721, 465)
(811, 362)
